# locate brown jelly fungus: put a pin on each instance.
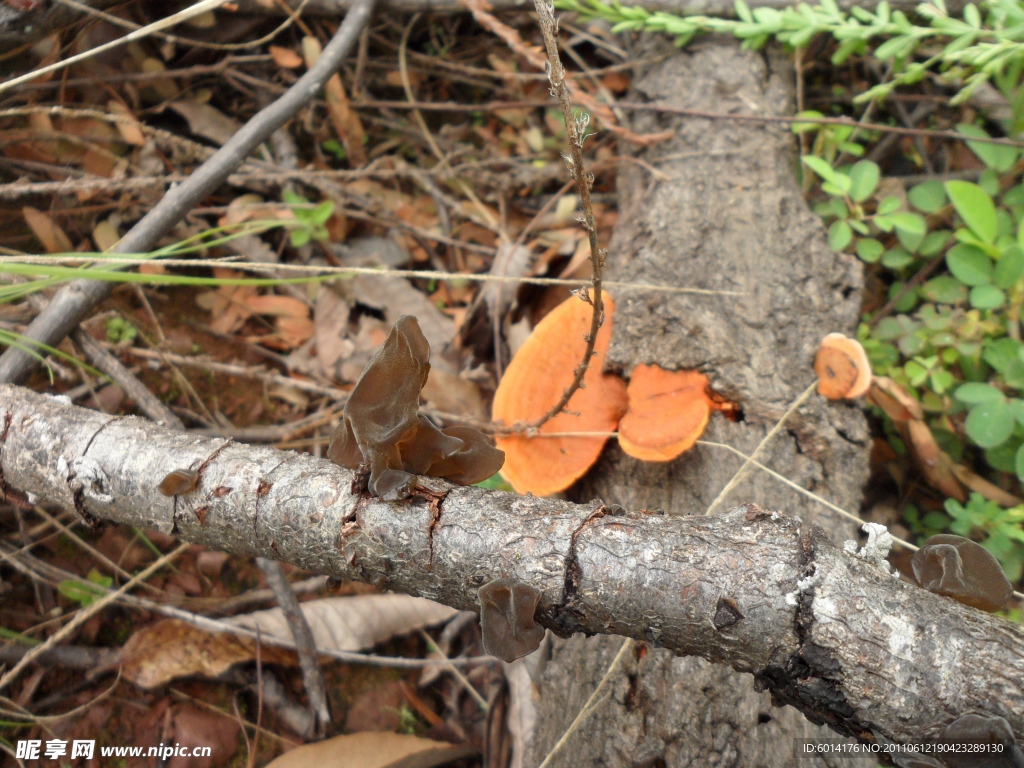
(179, 481)
(382, 426)
(963, 570)
(977, 729)
(506, 619)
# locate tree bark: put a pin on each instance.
(730, 217)
(849, 645)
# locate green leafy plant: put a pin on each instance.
(973, 50)
(999, 530)
(311, 221)
(120, 330)
(84, 593)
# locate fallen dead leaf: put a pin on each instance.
(130, 129)
(374, 750)
(174, 648)
(206, 120)
(351, 623)
(285, 57)
(46, 230)
(105, 235)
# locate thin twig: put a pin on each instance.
(87, 612)
(767, 439)
(575, 130)
(71, 304)
(305, 645)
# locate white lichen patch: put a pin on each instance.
(91, 478)
(876, 551)
(804, 585)
(901, 635)
(62, 399)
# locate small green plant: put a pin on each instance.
(971, 50)
(999, 530)
(311, 221)
(84, 593)
(120, 330)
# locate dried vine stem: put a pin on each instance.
(575, 130)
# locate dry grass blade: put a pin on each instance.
(176, 18)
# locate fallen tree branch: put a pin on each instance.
(70, 305)
(824, 630)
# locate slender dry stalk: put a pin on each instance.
(575, 130)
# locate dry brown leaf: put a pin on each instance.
(980, 485)
(130, 130)
(911, 409)
(174, 648)
(285, 57)
(206, 120)
(374, 750)
(105, 235)
(46, 230)
(346, 121)
(351, 623)
(331, 320)
(278, 306)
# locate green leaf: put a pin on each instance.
(1004, 456)
(990, 424)
(911, 222)
(942, 381)
(1017, 406)
(869, 249)
(970, 265)
(944, 289)
(888, 205)
(1010, 268)
(934, 242)
(975, 393)
(896, 258)
(322, 213)
(928, 196)
(916, 372)
(996, 156)
(975, 208)
(743, 12)
(909, 240)
(987, 297)
(859, 226)
(811, 126)
(864, 178)
(1001, 352)
(79, 592)
(839, 235)
(300, 237)
(884, 223)
(838, 180)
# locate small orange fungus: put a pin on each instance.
(842, 367)
(668, 411)
(541, 371)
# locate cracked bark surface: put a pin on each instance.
(854, 646)
(730, 217)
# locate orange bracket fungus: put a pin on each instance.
(963, 570)
(842, 367)
(540, 372)
(382, 426)
(506, 619)
(668, 411)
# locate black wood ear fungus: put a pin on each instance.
(382, 426)
(963, 570)
(981, 729)
(506, 619)
(179, 481)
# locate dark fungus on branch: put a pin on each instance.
(506, 619)
(382, 426)
(963, 570)
(981, 729)
(179, 481)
